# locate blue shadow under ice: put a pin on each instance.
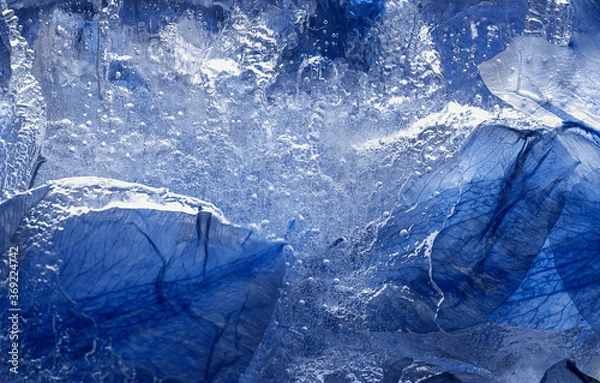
(121, 281)
(506, 231)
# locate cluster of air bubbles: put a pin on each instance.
(550, 19)
(253, 108)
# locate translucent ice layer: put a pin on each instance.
(22, 110)
(494, 244)
(120, 282)
(553, 82)
(432, 164)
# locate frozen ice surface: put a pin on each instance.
(553, 83)
(566, 371)
(468, 244)
(124, 283)
(425, 248)
(238, 96)
(22, 109)
(492, 253)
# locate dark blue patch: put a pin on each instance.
(152, 16)
(84, 8)
(339, 29)
(588, 20)
(122, 73)
(30, 19)
(496, 23)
